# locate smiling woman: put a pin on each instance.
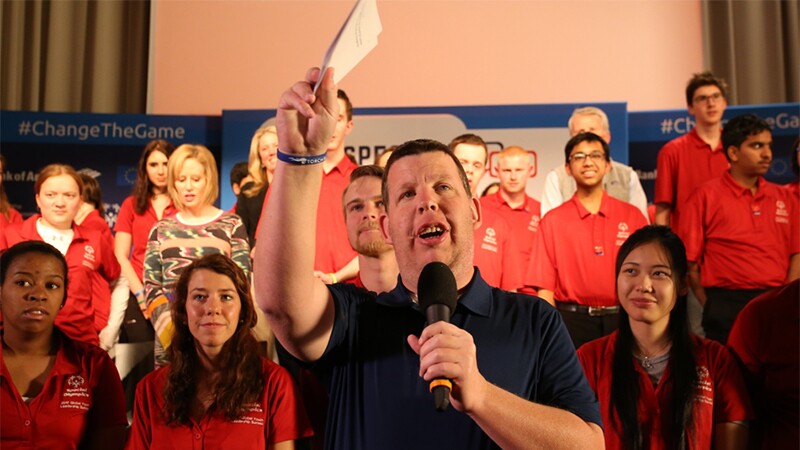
(216, 384)
(691, 387)
(41, 366)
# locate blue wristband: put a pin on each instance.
(298, 160)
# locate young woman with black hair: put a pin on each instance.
(658, 385)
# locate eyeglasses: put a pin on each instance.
(704, 98)
(581, 157)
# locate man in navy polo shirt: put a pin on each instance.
(516, 379)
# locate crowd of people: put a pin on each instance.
(581, 321)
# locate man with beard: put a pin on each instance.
(363, 206)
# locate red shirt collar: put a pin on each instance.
(584, 213)
(738, 190)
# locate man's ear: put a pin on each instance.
(477, 214)
(383, 220)
(569, 171)
(733, 153)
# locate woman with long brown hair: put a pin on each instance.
(216, 388)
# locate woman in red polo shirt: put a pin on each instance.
(659, 386)
(58, 195)
(216, 392)
(56, 393)
(149, 203)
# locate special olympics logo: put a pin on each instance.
(623, 226)
(89, 249)
(780, 204)
(75, 381)
(490, 232)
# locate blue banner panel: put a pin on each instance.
(650, 130)
(105, 146)
(540, 129)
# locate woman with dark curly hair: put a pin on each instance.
(216, 389)
(659, 386)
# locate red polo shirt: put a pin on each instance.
(741, 240)
(495, 253)
(524, 221)
(138, 226)
(101, 293)
(684, 164)
(721, 394)
(276, 417)
(87, 253)
(13, 217)
(575, 251)
(82, 394)
(764, 337)
(333, 250)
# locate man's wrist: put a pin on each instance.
(301, 160)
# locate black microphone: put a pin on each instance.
(437, 292)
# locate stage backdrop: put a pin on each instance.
(541, 129)
(105, 146)
(650, 130)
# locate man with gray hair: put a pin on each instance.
(621, 182)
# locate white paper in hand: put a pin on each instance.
(357, 37)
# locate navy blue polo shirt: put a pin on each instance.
(377, 398)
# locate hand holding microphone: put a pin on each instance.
(437, 292)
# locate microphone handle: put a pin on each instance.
(440, 387)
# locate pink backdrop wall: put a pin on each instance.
(213, 55)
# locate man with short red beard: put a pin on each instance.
(573, 258)
(525, 387)
(363, 206)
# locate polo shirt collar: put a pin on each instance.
(475, 297)
(500, 201)
(584, 213)
(343, 165)
(29, 228)
(694, 137)
(738, 190)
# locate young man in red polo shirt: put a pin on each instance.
(363, 206)
(494, 243)
(741, 231)
(513, 204)
(686, 162)
(573, 257)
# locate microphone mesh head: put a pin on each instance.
(437, 286)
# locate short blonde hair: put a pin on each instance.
(202, 155)
(257, 170)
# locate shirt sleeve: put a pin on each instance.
(287, 416)
(141, 433)
(153, 277)
(125, 217)
(691, 228)
(637, 196)
(731, 400)
(108, 399)
(666, 175)
(551, 195)
(541, 271)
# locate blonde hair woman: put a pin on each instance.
(261, 166)
(198, 229)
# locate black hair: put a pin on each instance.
(739, 128)
(683, 363)
(239, 172)
(585, 137)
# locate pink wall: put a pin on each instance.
(215, 55)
